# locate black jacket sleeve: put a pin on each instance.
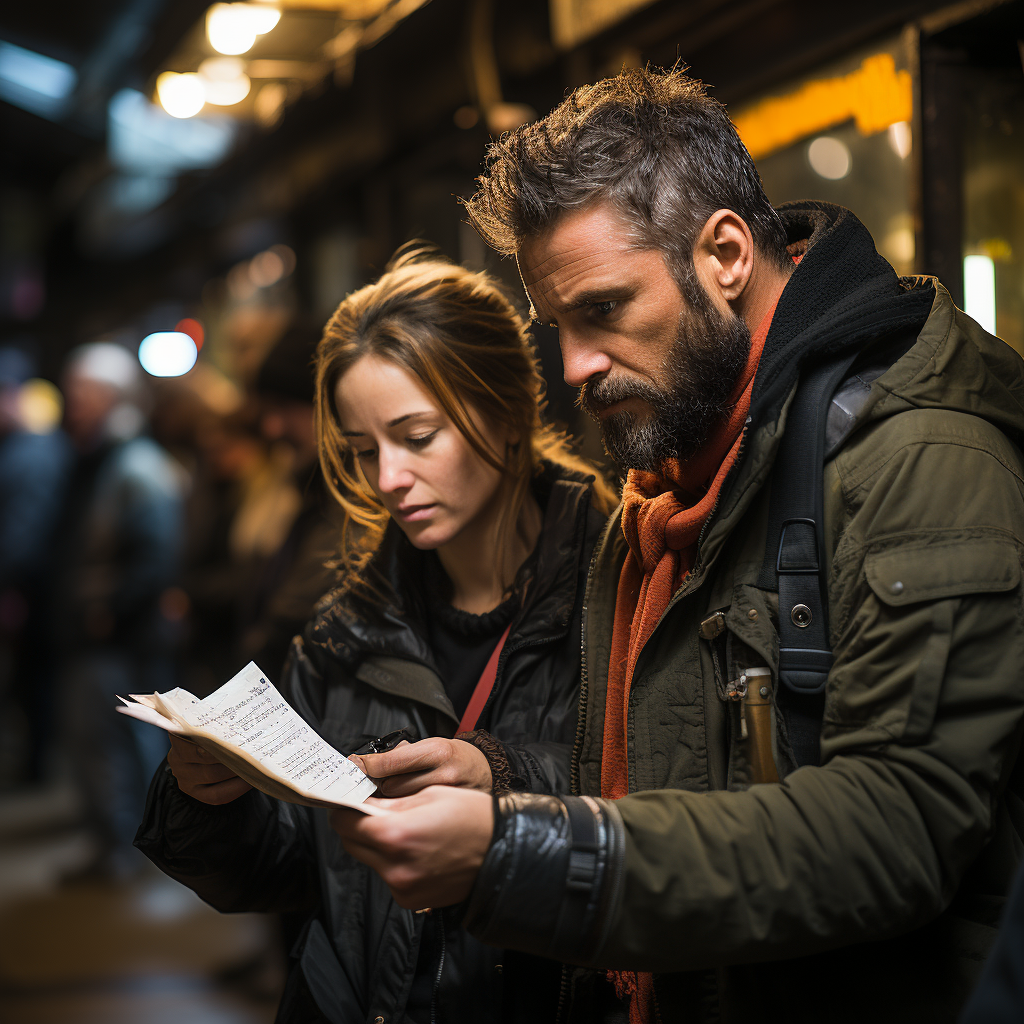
(253, 854)
(523, 767)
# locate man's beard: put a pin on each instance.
(700, 373)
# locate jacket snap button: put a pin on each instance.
(763, 691)
(897, 587)
(378, 1020)
(801, 616)
(497, 967)
(752, 615)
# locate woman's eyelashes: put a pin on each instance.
(418, 441)
(414, 441)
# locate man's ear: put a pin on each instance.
(723, 255)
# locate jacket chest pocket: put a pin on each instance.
(933, 619)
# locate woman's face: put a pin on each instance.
(418, 463)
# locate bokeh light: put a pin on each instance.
(194, 329)
(180, 95)
(264, 16)
(232, 28)
(901, 138)
(224, 80)
(41, 406)
(168, 353)
(266, 269)
(287, 256)
(829, 157)
(980, 290)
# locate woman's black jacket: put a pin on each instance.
(361, 671)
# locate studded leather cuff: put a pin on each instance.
(549, 883)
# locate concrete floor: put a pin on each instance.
(146, 951)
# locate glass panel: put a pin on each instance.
(994, 201)
(843, 135)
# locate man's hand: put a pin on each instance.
(201, 775)
(411, 767)
(428, 849)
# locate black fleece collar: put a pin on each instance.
(842, 296)
(350, 626)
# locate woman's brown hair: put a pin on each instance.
(460, 337)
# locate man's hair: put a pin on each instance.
(649, 140)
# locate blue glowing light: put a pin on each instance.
(167, 354)
(35, 83)
(143, 139)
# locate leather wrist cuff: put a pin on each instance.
(548, 883)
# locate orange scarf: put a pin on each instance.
(662, 517)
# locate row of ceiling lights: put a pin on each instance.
(232, 29)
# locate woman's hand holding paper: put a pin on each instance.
(436, 761)
(201, 776)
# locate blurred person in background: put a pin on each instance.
(33, 471)
(221, 563)
(297, 574)
(120, 539)
(458, 619)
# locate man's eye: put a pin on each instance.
(605, 308)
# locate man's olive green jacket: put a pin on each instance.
(866, 888)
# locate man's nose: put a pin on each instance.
(581, 359)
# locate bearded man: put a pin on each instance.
(683, 877)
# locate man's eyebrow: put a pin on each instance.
(389, 424)
(592, 295)
(580, 301)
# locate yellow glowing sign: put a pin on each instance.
(875, 96)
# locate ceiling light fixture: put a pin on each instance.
(224, 80)
(232, 28)
(180, 95)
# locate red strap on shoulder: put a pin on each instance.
(483, 688)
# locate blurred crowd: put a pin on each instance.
(156, 534)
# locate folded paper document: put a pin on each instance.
(249, 727)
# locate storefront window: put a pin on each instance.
(993, 193)
(843, 135)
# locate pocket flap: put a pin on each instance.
(906, 575)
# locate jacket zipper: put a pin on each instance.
(577, 749)
(581, 718)
(440, 968)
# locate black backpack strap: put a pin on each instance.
(794, 557)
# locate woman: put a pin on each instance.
(471, 526)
